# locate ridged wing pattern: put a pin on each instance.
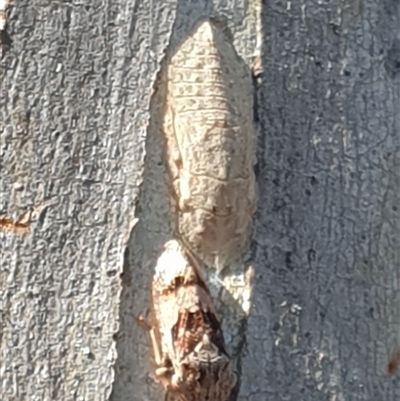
(210, 139)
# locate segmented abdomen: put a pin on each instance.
(210, 145)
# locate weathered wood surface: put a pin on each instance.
(76, 134)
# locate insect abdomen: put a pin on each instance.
(210, 145)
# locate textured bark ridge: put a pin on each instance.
(75, 106)
(210, 140)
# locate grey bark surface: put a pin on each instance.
(80, 133)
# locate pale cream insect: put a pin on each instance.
(208, 125)
(3, 13)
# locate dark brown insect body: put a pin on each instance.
(193, 362)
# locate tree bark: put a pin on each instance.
(81, 144)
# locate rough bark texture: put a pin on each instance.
(76, 133)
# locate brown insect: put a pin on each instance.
(21, 226)
(394, 363)
(188, 342)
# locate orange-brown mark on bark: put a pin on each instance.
(393, 363)
(21, 226)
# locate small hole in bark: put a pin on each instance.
(276, 327)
